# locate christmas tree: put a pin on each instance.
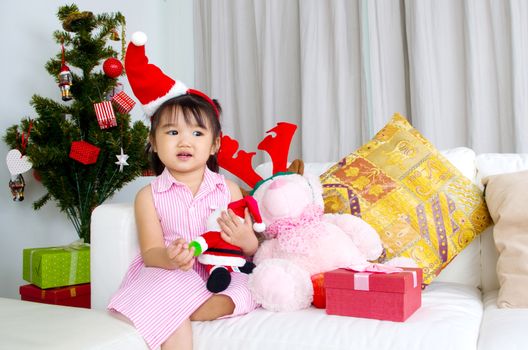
(82, 157)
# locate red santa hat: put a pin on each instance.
(249, 202)
(149, 84)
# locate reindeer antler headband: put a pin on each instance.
(149, 84)
(240, 164)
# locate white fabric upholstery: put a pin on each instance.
(502, 328)
(452, 316)
(499, 163)
(114, 239)
(29, 326)
(448, 319)
(465, 267)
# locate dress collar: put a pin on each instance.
(211, 181)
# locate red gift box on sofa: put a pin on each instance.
(78, 295)
(382, 296)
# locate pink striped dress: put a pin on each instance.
(157, 300)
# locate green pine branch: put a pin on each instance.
(77, 188)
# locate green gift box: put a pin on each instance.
(57, 266)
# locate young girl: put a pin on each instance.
(164, 288)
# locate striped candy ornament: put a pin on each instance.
(105, 114)
(123, 102)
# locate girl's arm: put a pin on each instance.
(151, 242)
(235, 232)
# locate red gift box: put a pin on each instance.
(382, 296)
(105, 114)
(84, 152)
(78, 295)
(123, 102)
(319, 295)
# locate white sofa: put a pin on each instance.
(458, 309)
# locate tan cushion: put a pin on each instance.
(507, 199)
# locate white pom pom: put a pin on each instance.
(259, 227)
(139, 38)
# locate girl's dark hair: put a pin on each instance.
(193, 108)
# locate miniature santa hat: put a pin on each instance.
(149, 84)
(249, 202)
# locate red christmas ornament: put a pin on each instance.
(84, 152)
(113, 67)
(36, 175)
(148, 172)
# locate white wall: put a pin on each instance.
(26, 47)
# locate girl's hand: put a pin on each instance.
(237, 232)
(180, 255)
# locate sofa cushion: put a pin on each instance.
(114, 238)
(502, 328)
(28, 325)
(448, 319)
(488, 164)
(507, 195)
(420, 204)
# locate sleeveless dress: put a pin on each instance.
(157, 300)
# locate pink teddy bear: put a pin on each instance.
(302, 241)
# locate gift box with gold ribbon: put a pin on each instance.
(57, 266)
(78, 296)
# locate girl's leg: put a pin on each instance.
(216, 306)
(181, 338)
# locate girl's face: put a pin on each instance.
(183, 147)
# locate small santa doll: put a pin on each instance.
(219, 257)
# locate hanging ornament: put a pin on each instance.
(105, 114)
(121, 160)
(148, 172)
(65, 79)
(114, 35)
(18, 163)
(17, 185)
(123, 102)
(112, 67)
(36, 175)
(84, 152)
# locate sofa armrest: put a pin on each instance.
(114, 244)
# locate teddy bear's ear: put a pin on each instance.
(297, 167)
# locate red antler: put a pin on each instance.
(240, 165)
(277, 147)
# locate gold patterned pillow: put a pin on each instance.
(421, 205)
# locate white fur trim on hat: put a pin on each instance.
(202, 242)
(177, 90)
(139, 38)
(259, 227)
(210, 259)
